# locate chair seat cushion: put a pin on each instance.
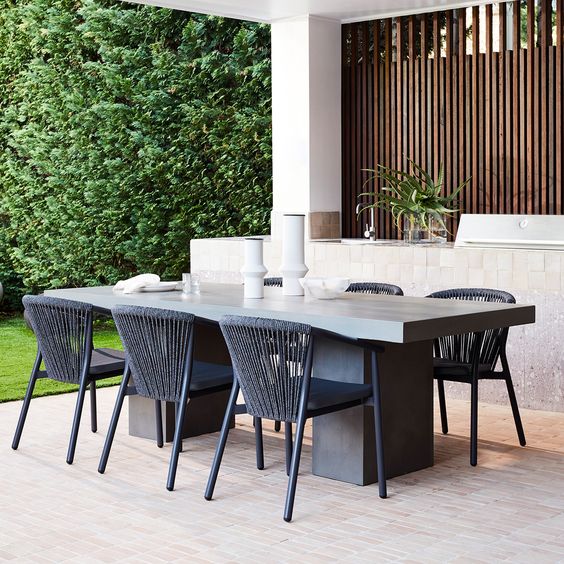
(444, 368)
(326, 393)
(107, 361)
(206, 376)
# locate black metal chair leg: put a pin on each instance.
(222, 441)
(295, 465)
(378, 433)
(258, 442)
(159, 423)
(288, 443)
(515, 409)
(176, 408)
(76, 419)
(93, 409)
(277, 426)
(114, 421)
(26, 402)
(442, 406)
(474, 422)
(297, 447)
(177, 441)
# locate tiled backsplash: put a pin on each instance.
(535, 277)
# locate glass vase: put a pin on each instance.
(424, 230)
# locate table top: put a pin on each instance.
(394, 319)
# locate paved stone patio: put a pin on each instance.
(511, 507)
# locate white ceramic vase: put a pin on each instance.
(293, 254)
(253, 270)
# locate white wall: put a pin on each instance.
(290, 115)
(306, 116)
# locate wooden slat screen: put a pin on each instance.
(479, 90)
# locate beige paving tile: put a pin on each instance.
(509, 508)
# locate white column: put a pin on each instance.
(306, 119)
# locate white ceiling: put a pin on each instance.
(269, 11)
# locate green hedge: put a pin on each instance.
(126, 131)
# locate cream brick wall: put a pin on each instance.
(535, 277)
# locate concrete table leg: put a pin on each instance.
(204, 414)
(343, 442)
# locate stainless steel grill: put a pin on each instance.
(511, 231)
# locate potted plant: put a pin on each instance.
(415, 201)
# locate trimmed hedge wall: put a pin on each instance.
(126, 131)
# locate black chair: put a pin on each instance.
(272, 360)
(275, 281)
(472, 357)
(63, 330)
(375, 288)
(159, 357)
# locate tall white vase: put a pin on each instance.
(254, 270)
(293, 254)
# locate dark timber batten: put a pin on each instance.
(473, 89)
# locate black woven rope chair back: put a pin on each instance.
(63, 329)
(460, 348)
(269, 358)
(156, 345)
(375, 288)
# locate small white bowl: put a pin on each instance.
(325, 288)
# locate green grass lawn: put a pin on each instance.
(17, 353)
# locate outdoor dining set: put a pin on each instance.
(282, 368)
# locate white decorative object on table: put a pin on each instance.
(135, 284)
(293, 255)
(254, 270)
(325, 288)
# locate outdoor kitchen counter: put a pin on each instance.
(534, 277)
(410, 266)
(343, 442)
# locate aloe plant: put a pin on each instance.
(413, 195)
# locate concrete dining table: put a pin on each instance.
(343, 445)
